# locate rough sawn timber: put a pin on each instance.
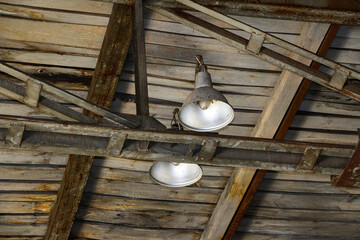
(310, 38)
(102, 89)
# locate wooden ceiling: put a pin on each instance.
(75, 46)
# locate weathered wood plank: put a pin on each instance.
(305, 187)
(25, 207)
(17, 172)
(152, 191)
(108, 231)
(275, 115)
(145, 219)
(303, 214)
(114, 203)
(309, 201)
(316, 228)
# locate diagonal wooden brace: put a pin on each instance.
(350, 176)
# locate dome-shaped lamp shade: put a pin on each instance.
(175, 174)
(205, 109)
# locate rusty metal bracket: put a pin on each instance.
(350, 176)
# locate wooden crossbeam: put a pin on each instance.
(93, 140)
(265, 54)
(102, 89)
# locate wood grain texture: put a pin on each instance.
(285, 101)
(101, 92)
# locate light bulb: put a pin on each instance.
(204, 104)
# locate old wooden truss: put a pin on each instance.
(109, 139)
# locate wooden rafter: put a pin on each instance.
(336, 82)
(289, 113)
(326, 11)
(102, 89)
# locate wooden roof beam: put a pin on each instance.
(102, 90)
(246, 181)
(273, 57)
(326, 11)
(294, 93)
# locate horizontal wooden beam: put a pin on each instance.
(265, 54)
(327, 11)
(95, 140)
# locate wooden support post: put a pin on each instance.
(350, 176)
(102, 89)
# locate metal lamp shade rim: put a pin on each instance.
(166, 167)
(192, 117)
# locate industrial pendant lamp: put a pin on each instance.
(205, 109)
(173, 174)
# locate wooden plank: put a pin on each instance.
(140, 219)
(92, 230)
(25, 207)
(103, 202)
(287, 186)
(308, 228)
(152, 191)
(18, 172)
(310, 201)
(302, 214)
(101, 92)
